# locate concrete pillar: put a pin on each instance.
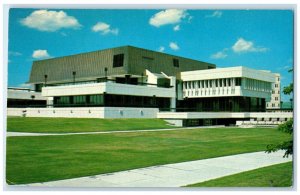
(50, 102)
(173, 104)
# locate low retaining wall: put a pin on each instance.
(93, 112)
(222, 115)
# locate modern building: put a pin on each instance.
(275, 97)
(123, 76)
(130, 82)
(234, 89)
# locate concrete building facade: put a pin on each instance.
(275, 101)
(130, 82)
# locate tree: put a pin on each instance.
(286, 127)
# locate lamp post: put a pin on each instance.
(45, 76)
(74, 74)
(105, 70)
(142, 78)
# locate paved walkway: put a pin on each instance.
(175, 175)
(11, 134)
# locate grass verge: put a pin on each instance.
(68, 125)
(279, 175)
(48, 158)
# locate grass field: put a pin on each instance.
(47, 158)
(273, 176)
(66, 125)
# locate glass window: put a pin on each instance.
(96, 99)
(175, 62)
(237, 81)
(118, 60)
(81, 99)
(63, 100)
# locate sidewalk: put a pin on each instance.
(14, 134)
(175, 175)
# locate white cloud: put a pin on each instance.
(241, 45)
(25, 85)
(219, 55)
(168, 16)
(176, 28)
(161, 49)
(215, 14)
(50, 21)
(14, 53)
(40, 54)
(174, 46)
(104, 28)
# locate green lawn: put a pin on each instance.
(46, 158)
(66, 125)
(273, 176)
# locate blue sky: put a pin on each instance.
(259, 39)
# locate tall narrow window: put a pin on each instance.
(175, 62)
(237, 81)
(118, 60)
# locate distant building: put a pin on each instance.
(275, 96)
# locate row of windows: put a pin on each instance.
(228, 82)
(257, 85)
(275, 92)
(219, 104)
(111, 100)
(273, 105)
(79, 100)
(189, 93)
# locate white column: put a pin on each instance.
(173, 104)
(50, 102)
